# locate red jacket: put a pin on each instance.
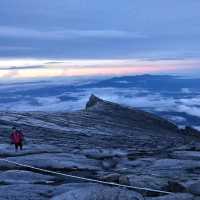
(17, 137)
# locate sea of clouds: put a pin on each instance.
(52, 95)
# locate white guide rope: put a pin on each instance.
(86, 179)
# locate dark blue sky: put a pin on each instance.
(100, 29)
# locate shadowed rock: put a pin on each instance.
(93, 100)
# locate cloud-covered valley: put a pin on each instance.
(167, 96)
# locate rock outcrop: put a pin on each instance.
(92, 101)
(105, 141)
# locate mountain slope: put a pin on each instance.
(105, 141)
(102, 124)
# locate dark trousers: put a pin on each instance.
(18, 145)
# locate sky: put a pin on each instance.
(51, 38)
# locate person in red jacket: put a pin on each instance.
(17, 138)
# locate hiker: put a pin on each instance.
(17, 138)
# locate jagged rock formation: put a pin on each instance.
(105, 141)
(93, 101)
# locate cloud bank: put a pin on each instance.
(41, 68)
(72, 94)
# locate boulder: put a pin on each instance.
(20, 176)
(109, 163)
(178, 196)
(186, 155)
(63, 161)
(174, 186)
(101, 154)
(147, 181)
(26, 192)
(98, 192)
(124, 180)
(195, 188)
(114, 177)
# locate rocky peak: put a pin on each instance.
(93, 100)
(121, 114)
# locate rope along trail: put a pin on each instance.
(85, 179)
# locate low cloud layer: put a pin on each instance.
(37, 68)
(181, 105)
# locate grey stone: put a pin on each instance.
(124, 180)
(111, 177)
(109, 163)
(186, 155)
(195, 188)
(98, 192)
(179, 196)
(174, 186)
(20, 176)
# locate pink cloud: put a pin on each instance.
(55, 68)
